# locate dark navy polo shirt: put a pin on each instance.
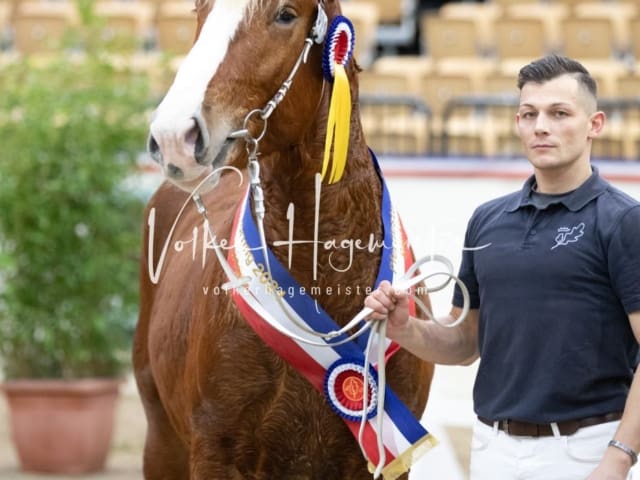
(554, 287)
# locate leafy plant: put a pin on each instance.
(71, 129)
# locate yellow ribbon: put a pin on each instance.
(338, 126)
(403, 462)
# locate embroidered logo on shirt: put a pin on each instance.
(567, 235)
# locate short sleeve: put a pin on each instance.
(624, 259)
(467, 272)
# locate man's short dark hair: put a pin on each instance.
(552, 66)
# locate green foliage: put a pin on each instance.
(70, 132)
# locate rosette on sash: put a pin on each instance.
(337, 370)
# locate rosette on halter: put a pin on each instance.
(338, 48)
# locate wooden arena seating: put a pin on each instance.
(621, 135)
(506, 3)
(446, 37)
(520, 38)
(395, 124)
(364, 16)
(634, 28)
(127, 24)
(396, 23)
(550, 15)
(386, 83)
(176, 27)
(588, 38)
(389, 12)
(10, 6)
(503, 83)
(39, 26)
(618, 14)
(484, 15)
(394, 118)
(411, 67)
(458, 130)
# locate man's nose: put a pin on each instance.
(542, 124)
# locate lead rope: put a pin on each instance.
(405, 282)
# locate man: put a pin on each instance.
(553, 273)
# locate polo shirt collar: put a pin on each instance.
(590, 189)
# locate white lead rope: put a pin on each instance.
(405, 282)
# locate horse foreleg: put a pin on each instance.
(166, 457)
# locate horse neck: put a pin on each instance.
(347, 211)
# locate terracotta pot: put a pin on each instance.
(60, 426)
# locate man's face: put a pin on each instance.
(556, 122)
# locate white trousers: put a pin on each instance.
(496, 455)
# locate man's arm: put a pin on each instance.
(425, 339)
(616, 463)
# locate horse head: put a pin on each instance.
(243, 54)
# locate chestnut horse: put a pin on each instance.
(220, 404)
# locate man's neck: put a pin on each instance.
(559, 181)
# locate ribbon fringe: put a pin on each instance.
(403, 462)
(338, 127)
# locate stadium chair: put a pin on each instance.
(395, 124)
(503, 83)
(629, 85)
(588, 38)
(454, 47)
(590, 41)
(506, 3)
(550, 15)
(394, 118)
(364, 16)
(619, 14)
(620, 137)
(40, 26)
(484, 15)
(520, 38)
(621, 134)
(457, 128)
(634, 28)
(127, 24)
(445, 37)
(410, 67)
(396, 22)
(570, 3)
(11, 7)
(385, 83)
(176, 27)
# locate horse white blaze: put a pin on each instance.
(173, 119)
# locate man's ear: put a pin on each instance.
(598, 120)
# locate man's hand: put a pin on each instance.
(387, 302)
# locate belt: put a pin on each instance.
(569, 427)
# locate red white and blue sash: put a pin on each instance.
(335, 370)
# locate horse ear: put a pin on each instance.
(332, 7)
(319, 30)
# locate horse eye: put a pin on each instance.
(285, 16)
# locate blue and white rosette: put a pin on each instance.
(344, 389)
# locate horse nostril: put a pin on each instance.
(201, 140)
(154, 149)
(174, 171)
